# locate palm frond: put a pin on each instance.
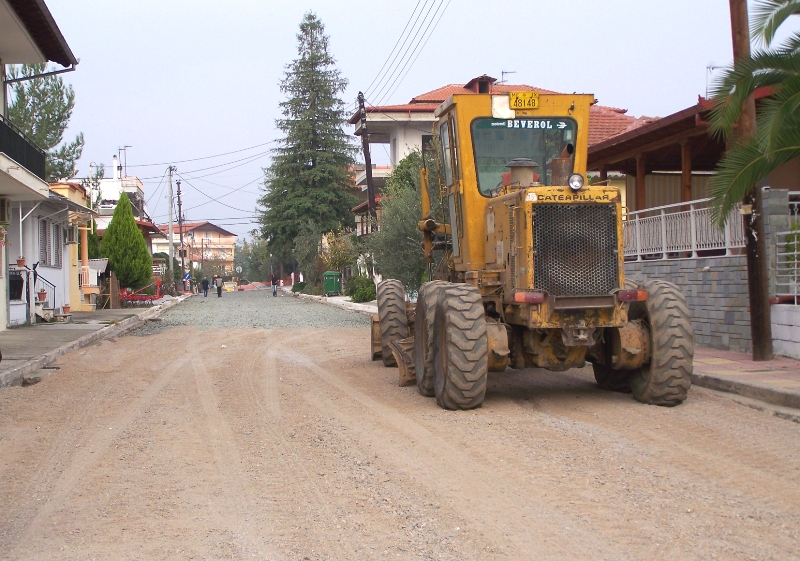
(768, 16)
(744, 166)
(778, 113)
(764, 68)
(791, 45)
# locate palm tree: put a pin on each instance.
(778, 120)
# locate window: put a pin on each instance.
(207, 235)
(427, 141)
(549, 142)
(51, 241)
(444, 134)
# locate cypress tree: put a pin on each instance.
(124, 246)
(309, 180)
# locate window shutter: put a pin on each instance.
(43, 242)
(58, 245)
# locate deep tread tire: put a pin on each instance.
(427, 298)
(391, 317)
(460, 347)
(612, 380)
(667, 379)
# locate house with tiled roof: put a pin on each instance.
(208, 247)
(407, 127)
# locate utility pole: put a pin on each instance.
(757, 280)
(367, 160)
(169, 212)
(180, 230)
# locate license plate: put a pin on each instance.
(523, 100)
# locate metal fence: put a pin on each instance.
(21, 149)
(681, 230)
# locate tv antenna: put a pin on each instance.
(503, 75)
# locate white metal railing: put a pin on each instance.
(679, 230)
(787, 267)
(89, 276)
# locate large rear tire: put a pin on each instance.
(391, 317)
(667, 378)
(427, 299)
(460, 347)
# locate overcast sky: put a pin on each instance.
(178, 80)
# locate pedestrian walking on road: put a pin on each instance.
(218, 284)
(204, 284)
(274, 281)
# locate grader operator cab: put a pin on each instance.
(533, 267)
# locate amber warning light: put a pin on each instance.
(632, 295)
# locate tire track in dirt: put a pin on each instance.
(451, 471)
(59, 481)
(235, 505)
(260, 383)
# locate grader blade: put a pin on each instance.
(403, 351)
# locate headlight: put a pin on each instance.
(576, 182)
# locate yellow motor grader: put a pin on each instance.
(533, 266)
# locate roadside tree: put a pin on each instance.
(395, 248)
(125, 248)
(309, 179)
(42, 108)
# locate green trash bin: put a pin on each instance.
(332, 283)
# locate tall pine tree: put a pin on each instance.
(309, 180)
(42, 108)
(124, 245)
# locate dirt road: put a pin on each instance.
(290, 444)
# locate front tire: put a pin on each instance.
(667, 378)
(391, 317)
(460, 347)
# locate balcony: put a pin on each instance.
(15, 145)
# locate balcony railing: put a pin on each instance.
(679, 231)
(89, 277)
(19, 148)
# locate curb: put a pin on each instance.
(365, 309)
(17, 376)
(752, 390)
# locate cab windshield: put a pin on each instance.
(548, 141)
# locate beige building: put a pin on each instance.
(208, 246)
(84, 286)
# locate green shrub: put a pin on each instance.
(356, 283)
(365, 293)
(298, 287)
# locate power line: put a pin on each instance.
(408, 60)
(378, 92)
(388, 96)
(217, 199)
(367, 89)
(204, 157)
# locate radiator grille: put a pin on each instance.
(575, 249)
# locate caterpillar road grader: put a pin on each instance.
(532, 273)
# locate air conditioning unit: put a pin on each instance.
(5, 211)
(72, 234)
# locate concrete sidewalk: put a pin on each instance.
(28, 349)
(776, 382)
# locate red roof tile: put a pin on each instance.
(604, 122)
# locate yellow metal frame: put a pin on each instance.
(474, 262)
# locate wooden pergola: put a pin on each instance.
(678, 142)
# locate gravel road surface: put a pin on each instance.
(253, 427)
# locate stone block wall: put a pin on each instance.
(786, 330)
(716, 290)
